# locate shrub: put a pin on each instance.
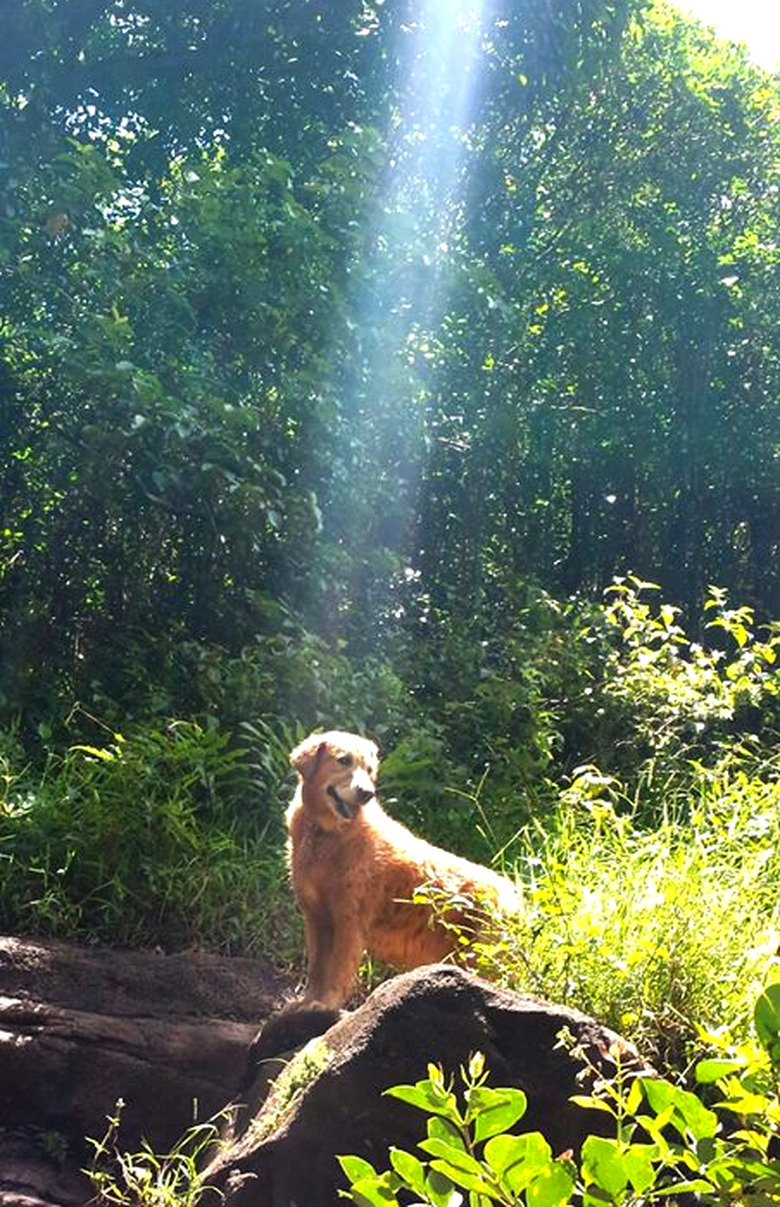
(677, 701)
(666, 1141)
(141, 842)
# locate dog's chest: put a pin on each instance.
(317, 859)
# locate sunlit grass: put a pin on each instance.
(166, 838)
(655, 932)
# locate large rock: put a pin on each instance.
(171, 1035)
(286, 1158)
(81, 1028)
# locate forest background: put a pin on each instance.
(350, 354)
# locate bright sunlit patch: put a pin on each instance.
(444, 59)
(754, 22)
(442, 56)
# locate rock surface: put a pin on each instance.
(80, 1028)
(440, 1014)
(174, 1036)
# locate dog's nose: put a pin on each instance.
(362, 786)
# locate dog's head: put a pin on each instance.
(338, 771)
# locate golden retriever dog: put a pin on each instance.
(355, 872)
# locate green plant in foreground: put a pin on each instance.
(145, 1178)
(470, 1148)
(666, 1141)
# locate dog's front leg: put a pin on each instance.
(318, 933)
(335, 946)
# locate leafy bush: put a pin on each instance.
(675, 700)
(142, 841)
(510, 705)
(666, 1141)
(507, 692)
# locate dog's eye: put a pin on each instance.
(345, 760)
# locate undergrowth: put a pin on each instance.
(654, 931)
(663, 1142)
(147, 1178)
(626, 775)
(157, 838)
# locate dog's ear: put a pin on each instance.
(306, 755)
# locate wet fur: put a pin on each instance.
(355, 870)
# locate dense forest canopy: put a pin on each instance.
(360, 317)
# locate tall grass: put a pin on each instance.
(165, 838)
(657, 932)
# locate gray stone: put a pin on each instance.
(81, 1028)
(438, 1014)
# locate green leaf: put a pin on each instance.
(689, 1115)
(473, 1183)
(695, 1186)
(495, 1111)
(743, 1101)
(553, 1187)
(440, 1190)
(767, 1018)
(592, 1104)
(426, 1097)
(709, 1071)
(356, 1168)
(373, 1192)
(517, 1160)
(444, 1129)
(455, 1157)
(634, 1099)
(407, 1166)
(639, 1163)
(603, 1164)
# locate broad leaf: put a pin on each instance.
(517, 1160)
(495, 1111)
(603, 1164)
(553, 1187)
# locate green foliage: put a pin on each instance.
(665, 1140)
(244, 362)
(291, 677)
(685, 698)
(515, 702)
(504, 703)
(134, 843)
(146, 1178)
(653, 930)
(468, 1147)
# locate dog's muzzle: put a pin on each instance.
(348, 805)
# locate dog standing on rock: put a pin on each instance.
(355, 871)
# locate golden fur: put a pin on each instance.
(355, 870)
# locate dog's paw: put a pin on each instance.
(290, 1028)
